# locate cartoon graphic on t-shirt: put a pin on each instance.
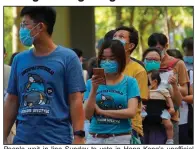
(107, 103)
(34, 91)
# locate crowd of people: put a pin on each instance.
(51, 99)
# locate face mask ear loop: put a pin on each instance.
(33, 29)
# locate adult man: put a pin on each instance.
(45, 87)
(129, 36)
(186, 110)
(160, 41)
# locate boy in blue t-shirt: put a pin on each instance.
(45, 86)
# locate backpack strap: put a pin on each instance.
(170, 65)
(189, 82)
(139, 62)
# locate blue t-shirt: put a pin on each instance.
(43, 84)
(112, 97)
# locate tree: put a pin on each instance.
(8, 22)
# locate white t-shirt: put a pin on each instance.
(85, 75)
(183, 109)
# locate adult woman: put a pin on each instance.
(110, 107)
(152, 61)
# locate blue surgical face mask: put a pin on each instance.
(109, 66)
(151, 65)
(188, 59)
(25, 36)
(121, 40)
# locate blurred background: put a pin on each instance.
(83, 27)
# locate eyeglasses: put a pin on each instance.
(151, 60)
(23, 24)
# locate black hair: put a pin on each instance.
(133, 35)
(118, 51)
(155, 75)
(156, 38)
(12, 58)
(78, 52)
(175, 53)
(4, 50)
(109, 35)
(44, 14)
(151, 49)
(188, 43)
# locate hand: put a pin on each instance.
(96, 81)
(171, 111)
(172, 80)
(98, 110)
(78, 140)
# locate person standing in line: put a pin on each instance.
(170, 64)
(129, 37)
(80, 55)
(152, 58)
(186, 109)
(111, 105)
(45, 86)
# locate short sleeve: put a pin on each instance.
(133, 88)
(74, 78)
(165, 93)
(142, 80)
(88, 89)
(182, 73)
(12, 85)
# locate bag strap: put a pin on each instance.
(189, 82)
(170, 66)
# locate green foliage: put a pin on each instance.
(147, 20)
(8, 22)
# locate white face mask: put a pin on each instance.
(163, 53)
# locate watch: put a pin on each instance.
(79, 133)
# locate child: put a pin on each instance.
(156, 93)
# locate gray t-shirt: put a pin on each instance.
(6, 74)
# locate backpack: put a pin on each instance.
(190, 112)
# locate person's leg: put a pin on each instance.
(183, 134)
(168, 126)
(169, 130)
(175, 132)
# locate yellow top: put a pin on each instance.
(135, 70)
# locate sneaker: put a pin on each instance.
(169, 141)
